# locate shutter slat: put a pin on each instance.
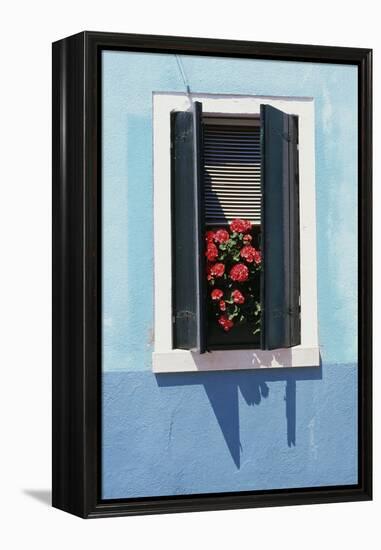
(232, 173)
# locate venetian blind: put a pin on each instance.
(232, 172)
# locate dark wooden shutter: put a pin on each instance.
(188, 269)
(280, 285)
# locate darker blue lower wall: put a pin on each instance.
(227, 431)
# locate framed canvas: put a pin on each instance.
(211, 274)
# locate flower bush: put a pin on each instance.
(233, 267)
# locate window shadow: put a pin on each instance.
(223, 387)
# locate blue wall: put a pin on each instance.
(210, 432)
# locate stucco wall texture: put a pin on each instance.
(224, 431)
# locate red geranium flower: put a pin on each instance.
(247, 238)
(257, 257)
(211, 252)
(238, 297)
(240, 226)
(225, 323)
(217, 270)
(249, 253)
(209, 236)
(222, 305)
(216, 294)
(239, 272)
(221, 236)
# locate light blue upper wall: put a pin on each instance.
(129, 79)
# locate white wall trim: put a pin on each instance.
(166, 359)
(178, 360)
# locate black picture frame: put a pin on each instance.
(77, 304)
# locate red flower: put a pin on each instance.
(225, 323)
(257, 257)
(221, 236)
(217, 270)
(240, 226)
(211, 252)
(238, 297)
(247, 238)
(249, 253)
(217, 294)
(239, 272)
(209, 236)
(222, 305)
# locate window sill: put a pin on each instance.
(178, 360)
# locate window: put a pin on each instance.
(219, 158)
(231, 182)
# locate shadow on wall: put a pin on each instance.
(222, 389)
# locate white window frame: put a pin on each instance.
(164, 357)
